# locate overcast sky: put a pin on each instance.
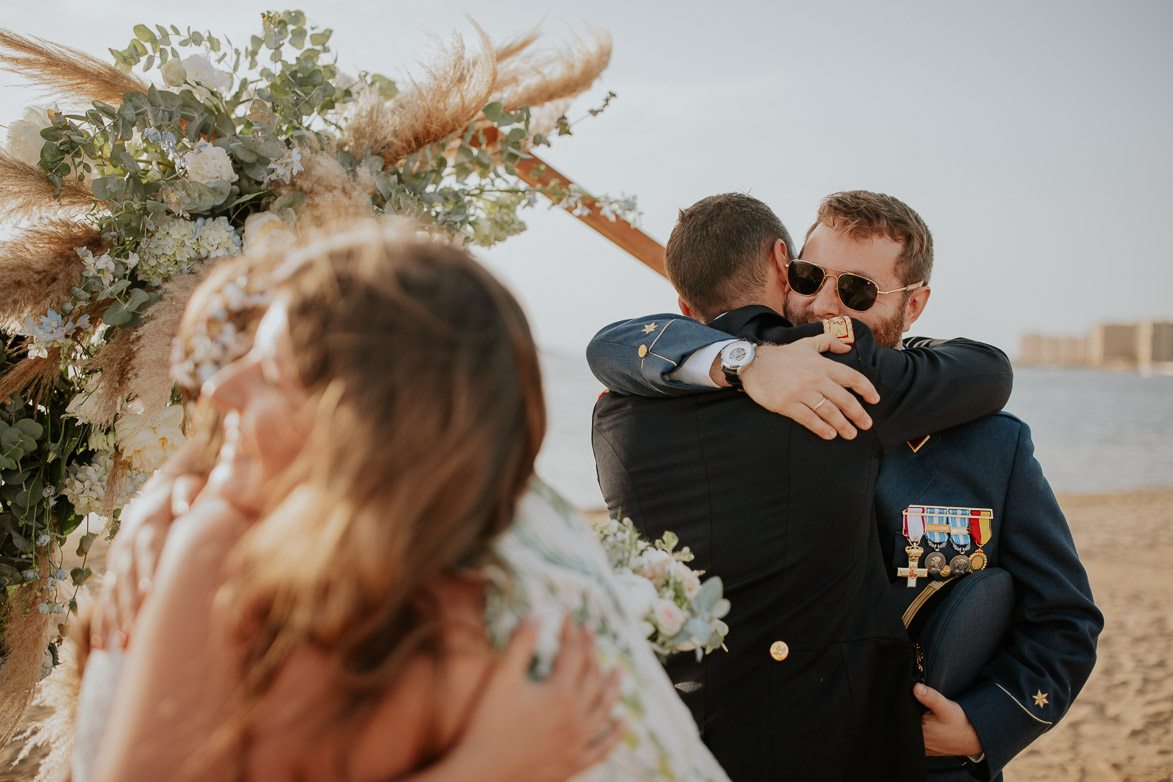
(1033, 137)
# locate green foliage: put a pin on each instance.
(175, 171)
(36, 446)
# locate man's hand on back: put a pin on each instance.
(795, 381)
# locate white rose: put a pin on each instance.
(653, 564)
(24, 135)
(266, 232)
(84, 406)
(201, 72)
(636, 594)
(207, 163)
(147, 444)
(687, 578)
(669, 617)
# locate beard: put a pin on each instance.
(887, 332)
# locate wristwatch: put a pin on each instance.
(735, 357)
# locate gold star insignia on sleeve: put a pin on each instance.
(1040, 698)
(648, 329)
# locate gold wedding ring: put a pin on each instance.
(820, 404)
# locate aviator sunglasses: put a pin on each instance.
(856, 292)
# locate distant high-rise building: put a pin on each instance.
(1053, 351)
(1154, 344)
(1147, 346)
(1113, 344)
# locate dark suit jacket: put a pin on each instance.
(785, 519)
(1050, 647)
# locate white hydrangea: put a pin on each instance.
(171, 249)
(267, 232)
(24, 135)
(216, 238)
(85, 485)
(146, 444)
(208, 163)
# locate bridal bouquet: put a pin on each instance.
(548, 562)
(188, 150)
(680, 612)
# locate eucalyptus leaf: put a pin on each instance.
(144, 34)
(106, 109)
(493, 111)
(29, 427)
(294, 200)
(137, 298)
(387, 88)
(116, 315)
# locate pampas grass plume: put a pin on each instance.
(455, 88)
(63, 71)
(40, 266)
(25, 637)
(35, 375)
(25, 191)
(558, 76)
(148, 377)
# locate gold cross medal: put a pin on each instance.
(914, 530)
(912, 572)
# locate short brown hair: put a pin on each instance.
(718, 252)
(862, 214)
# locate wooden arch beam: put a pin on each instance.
(537, 173)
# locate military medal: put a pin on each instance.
(914, 530)
(912, 572)
(981, 524)
(942, 525)
(935, 563)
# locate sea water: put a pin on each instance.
(1093, 431)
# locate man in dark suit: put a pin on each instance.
(1037, 643)
(817, 681)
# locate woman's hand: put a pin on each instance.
(543, 731)
(134, 553)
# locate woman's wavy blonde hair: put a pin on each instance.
(429, 415)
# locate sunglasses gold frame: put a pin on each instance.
(828, 275)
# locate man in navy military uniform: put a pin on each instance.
(816, 682)
(1037, 637)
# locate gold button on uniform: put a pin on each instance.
(779, 650)
(643, 350)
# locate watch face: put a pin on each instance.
(737, 354)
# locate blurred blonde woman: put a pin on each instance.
(331, 606)
(318, 613)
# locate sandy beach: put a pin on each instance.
(1121, 727)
